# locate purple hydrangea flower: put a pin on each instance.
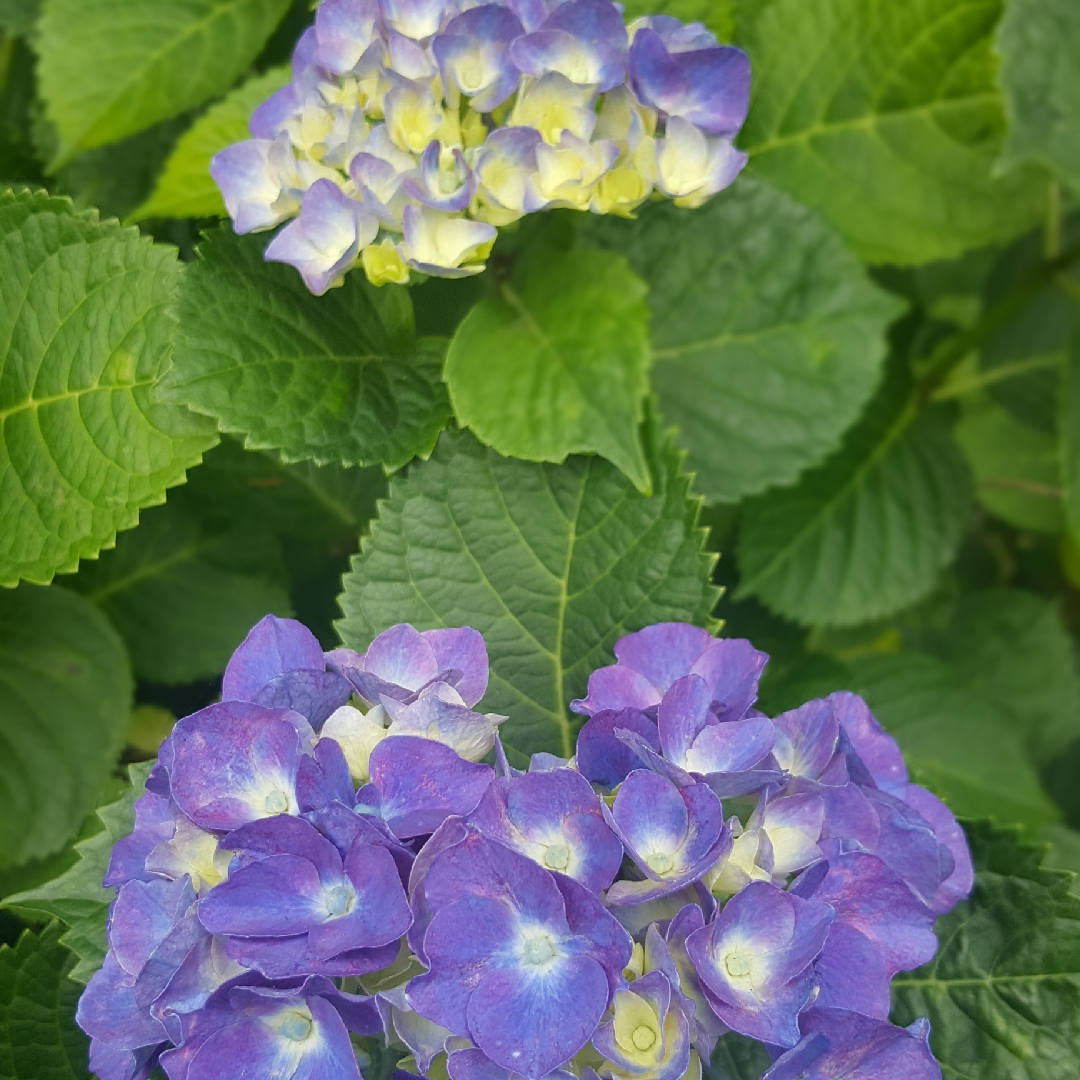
(605, 758)
(299, 1033)
(344, 31)
(880, 928)
(841, 1045)
(674, 835)
(584, 40)
(708, 87)
(522, 961)
(957, 885)
(401, 661)
(417, 783)
(324, 241)
(555, 818)
(473, 54)
(755, 960)
(450, 189)
(280, 664)
(292, 881)
(236, 762)
(648, 1033)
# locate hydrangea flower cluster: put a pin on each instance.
(411, 129)
(324, 854)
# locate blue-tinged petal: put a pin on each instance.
(876, 748)
(402, 656)
(683, 715)
(251, 182)
(851, 973)
(153, 825)
(584, 40)
(534, 1018)
(312, 694)
(873, 899)
(709, 87)
(907, 844)
(601, 756)
(599, 933)
(417, 19)
(732, 667)
(286, 958)
(614, 688)
(109, 1063)
(754, 960)
(345, 829)
(235, 762)
(653, 820)
(663, 652)
(436, 243)
(505, 168)
(285, 835)
(417, 783)
(806, 738)
(108, 1011)
(439, 713)
(425, 1039)
(344, 31)
(677, 36)
(839, 1045)
(206, 968)
(379, 910)
(443, 180)
(732, 747)
(473, 54)
(793, 824)
(270, 118)
(272, 647)
(957, 885)
(323, 778)
(143, 915)
(474, 1064)
(449, 834)
(461, 649)
(276, 897)
(691, 166)
(324, 242)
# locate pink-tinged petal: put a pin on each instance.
(272, 647)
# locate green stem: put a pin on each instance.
(962, 387)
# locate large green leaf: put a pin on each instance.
(1039, 41)
(768, 337)
(65, 698)
(556, 365)
(332, 378)
(302, 500)
(1016, 468)
(38, 1036)
(184, 188)
(1012, 648)
(110, 68)
(1069, 426)
(1003, 992)
(1024, 353)
(19, 16)
(85, 332)
(183, 593)
(867, 532)
(77, 897)
(551, 563)
(886, 117)
(955, 741)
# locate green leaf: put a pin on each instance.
(19, 16)
(1039, 41)
(954, 740)
(867, 532)
(110, 68)
(768, 338)
(551, 563)
(302, 500)
(86, 329)
(332, 378)
(65, 698)
(77, 897)
(39, 1039)
(557, 364)
(1003, 992)
(184, 188)
(1022, 358)
(1069, 426)
(886, 117)
(1016, 467)
(1064, 853)
(183, 593)
(1012, 648)
(737, 1057)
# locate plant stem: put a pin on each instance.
(994, 375)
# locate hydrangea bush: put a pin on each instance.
(412, 129)
(324, 854)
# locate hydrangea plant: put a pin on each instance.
(325, 853)
(412, 129)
